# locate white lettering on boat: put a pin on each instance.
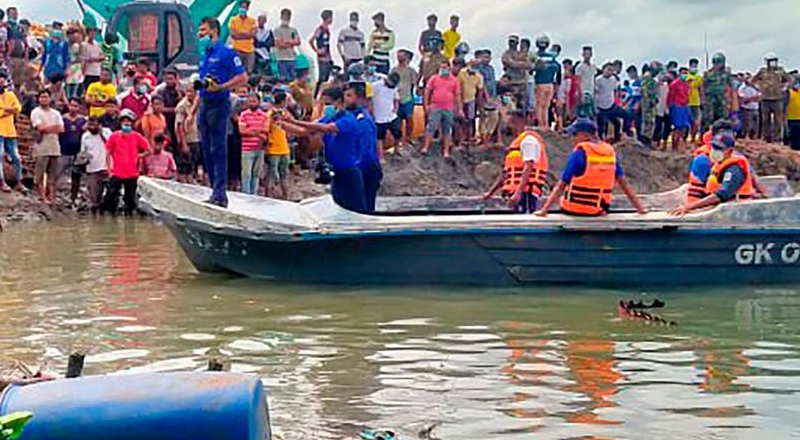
(790, 254)
(754, 254)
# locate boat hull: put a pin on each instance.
(539, 256)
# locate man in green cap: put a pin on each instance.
(718, 94)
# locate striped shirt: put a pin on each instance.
(251, 120)
(381, 43)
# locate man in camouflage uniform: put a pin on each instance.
(649, 100)
(516, 65)
(717, 92)
(772, 80)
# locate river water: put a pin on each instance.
(470, 364)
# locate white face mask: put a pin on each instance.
(717, 155)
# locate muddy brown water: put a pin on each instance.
(470, 364)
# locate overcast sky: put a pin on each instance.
(633, 30)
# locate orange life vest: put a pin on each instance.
(747, 191)
(590, 194)
(697, 186)
(514, 166)
(707, 137)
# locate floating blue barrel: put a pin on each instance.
(157, 406)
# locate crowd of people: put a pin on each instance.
(254, 111)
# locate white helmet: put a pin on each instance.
(543, 41)
(127, 114)
(770, 57)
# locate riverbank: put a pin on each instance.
(469, 172)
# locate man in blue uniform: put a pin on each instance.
(730, 179)
(221, 71)
(370, 165)
(342, 146)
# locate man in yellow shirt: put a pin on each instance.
(98, 93)
(243, 33)
(471, 87)
(451, 38)
(793, 116)
(278, 152)
(9, 108)
(695, 80)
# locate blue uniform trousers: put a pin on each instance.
(347, 189)
(372, 174)
(212, 121)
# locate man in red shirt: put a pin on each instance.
(124, 148)
(442, 105)
(678, 103)
(136, 99)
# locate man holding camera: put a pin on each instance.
(221, 71)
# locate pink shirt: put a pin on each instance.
(124, 149)
(444, 90)
(678, 93)
(252, 120)
(160, 166)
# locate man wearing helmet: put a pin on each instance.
(772, 80)
(546, 72)
(718, 94)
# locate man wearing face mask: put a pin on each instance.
(351, 43)
(371, 148)
(718, 92)
(730, 178)
(772, 80)
(243, 33)
(55, 58)
(442, 105)
(516, 64)
(124, 149)
(221, 71)
(136, 100)
(342, 145)
(695, 80)
(287, 39)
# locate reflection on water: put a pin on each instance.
(470, 364)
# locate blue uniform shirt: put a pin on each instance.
(576, 167)
(368, 137)
(549, 69)
(342, 149)
(223, 64)
(730, 182)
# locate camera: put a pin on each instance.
(205, 83)
(323, 174)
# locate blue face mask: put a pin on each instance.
(329, 111)
(372, 69)
(58, 34)
(204, 43)
(242, 11)
(126, 128)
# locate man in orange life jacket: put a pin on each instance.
(524, 173)
(590, 176)
(730, 179)
(702, 164)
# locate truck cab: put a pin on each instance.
(163, 34)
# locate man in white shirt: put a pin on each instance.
(749, 107)
(524, 173)
(587, 73)
(48, 124)
(93, 155)
(383, 106)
